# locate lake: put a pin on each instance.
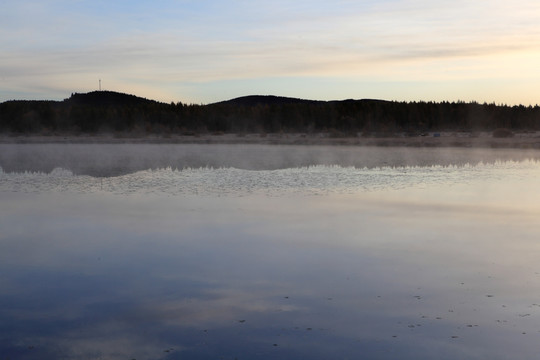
(268, 252)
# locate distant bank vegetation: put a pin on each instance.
(106, 111)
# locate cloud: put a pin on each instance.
(184, 42)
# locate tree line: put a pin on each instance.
(105, 111)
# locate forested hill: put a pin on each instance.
(107, 98)
(254, 100)
(107, 111)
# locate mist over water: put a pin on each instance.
(172, 252)
(119, 159)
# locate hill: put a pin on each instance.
(254, 100)
(107, 111)
(106, 98)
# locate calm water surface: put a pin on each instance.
(243, 252)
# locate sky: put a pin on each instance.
(203, 51)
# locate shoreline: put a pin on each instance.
(528, 140)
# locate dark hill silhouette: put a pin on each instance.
(107, 98)
(254, 100)
(108, 111)
(355, 101)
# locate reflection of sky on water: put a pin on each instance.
(426, 270)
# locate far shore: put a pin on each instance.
(524, 140)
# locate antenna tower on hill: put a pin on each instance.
(99, 84)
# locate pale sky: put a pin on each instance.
(203, 51)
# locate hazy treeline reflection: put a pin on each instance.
(120, 159)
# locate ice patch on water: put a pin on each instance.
(315, 180)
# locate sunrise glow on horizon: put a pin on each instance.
(208, 51)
